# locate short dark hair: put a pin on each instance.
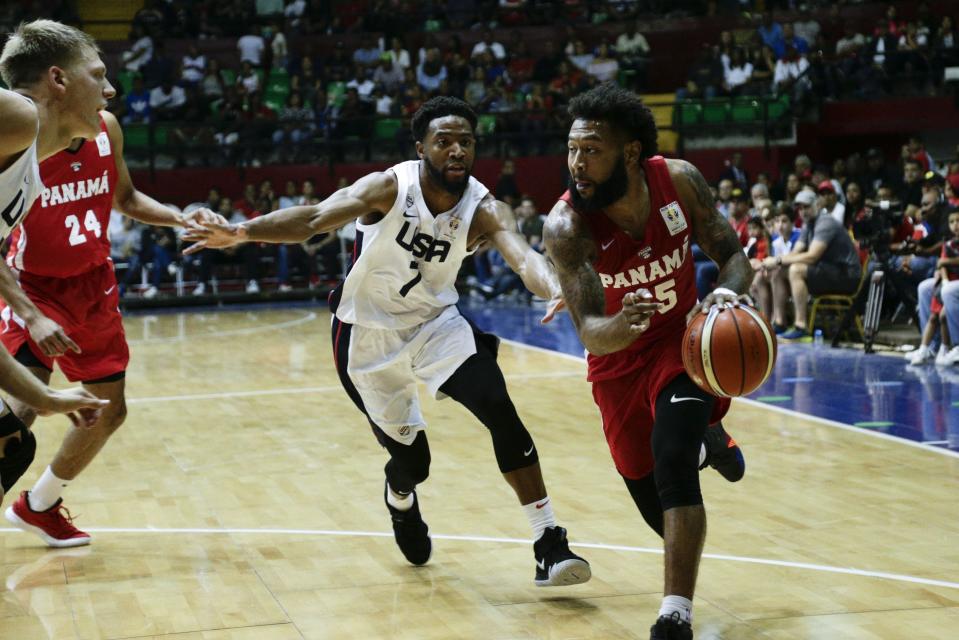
(621, 109)
(440, 107)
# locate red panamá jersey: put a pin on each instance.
(65, 233)
(659, 262)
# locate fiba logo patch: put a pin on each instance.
(409, 201)
(645, 252)
(673, 216)
(75, 166)
(404, 430)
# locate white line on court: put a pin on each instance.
(850, 571)
(783, 410)
(300, 390)
(286, 324)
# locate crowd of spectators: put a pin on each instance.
(822, 229)
(272, 102)
(811, 59)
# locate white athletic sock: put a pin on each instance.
(46, 491)
(680, 605)
(540, 516)
(398, 500)
(702, 453)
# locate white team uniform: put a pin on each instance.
(20, 185)
(401, 300)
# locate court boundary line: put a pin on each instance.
(783, 410)
(788, 564)
(286, 324)
(301, 390)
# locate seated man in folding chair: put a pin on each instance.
(824, 261)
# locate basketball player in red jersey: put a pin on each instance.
(57, 84)
(65, 309)
(620, 238)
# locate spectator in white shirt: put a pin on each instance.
(633, 50)
(770, 286)
(141, 52)
(581, 58)
(399, 54)
(251, 47)
(830, 202)
(431, 72)
(603, 67)
(789, 76)
(249, 79)
(193, 66)
(498, 51)
(167, 101)
(737, 72)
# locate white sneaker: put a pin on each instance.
(151, 292)
(941, 356)
(922, 355)
(951, 357)
(200, 289)
(252, 287)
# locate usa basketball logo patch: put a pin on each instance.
(673, 215)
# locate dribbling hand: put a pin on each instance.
(719, 298)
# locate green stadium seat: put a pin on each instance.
(746, 110)
(125, 78)
(715, 111)
(136, 136)
(690, 112)
(161, 134)
(486, 124)
(387, 128)
(229, 77)
(778, 107)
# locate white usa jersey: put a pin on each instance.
(20, 185)
(405, 266)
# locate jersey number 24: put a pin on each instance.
(90, 223)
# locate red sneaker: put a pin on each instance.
(54, 526)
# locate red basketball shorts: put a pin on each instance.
(86, 306)
(628, 406)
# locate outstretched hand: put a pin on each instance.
(554, 306)
(82, 407)
(211, 234)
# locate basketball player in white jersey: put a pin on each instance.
(58, 86)
(396, 319)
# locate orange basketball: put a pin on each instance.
(729, 351)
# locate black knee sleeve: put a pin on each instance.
(480, 387)
(646, 497)
(409, 465)
(17, 453)
(682, 415)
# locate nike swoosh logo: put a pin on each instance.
(527, 453)
(541, 564)
(107, 292)
(676, 399)
(542, 504)
(406, 214)
(606, 244)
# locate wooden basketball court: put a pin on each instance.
(243, 500)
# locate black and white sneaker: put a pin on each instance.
(671, 627)
(556, 565)
(411, 533)
(723, 454)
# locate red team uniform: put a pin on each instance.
(66, 271)
(626, 383)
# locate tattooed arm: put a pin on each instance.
(571, 249)
(713, 234)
